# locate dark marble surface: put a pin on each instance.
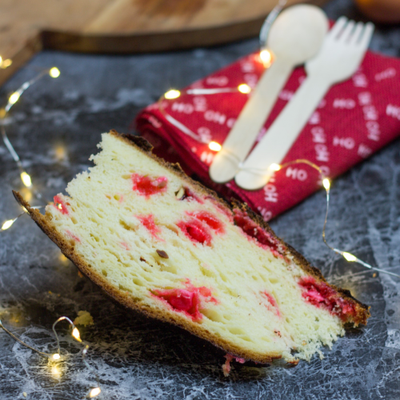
(56, 126)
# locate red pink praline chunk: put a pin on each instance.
(272, 302)
(196, 231)
(186, 301)
(147, 186)
(198, 228)
(209, 219)
(149, 223)
(251, 229)
(320, 294)
(60, 205)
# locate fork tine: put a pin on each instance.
(347, 31)
(337, 28)
(357, 34)
(367, 34)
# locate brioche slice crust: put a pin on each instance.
(361, 311)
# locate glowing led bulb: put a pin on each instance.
(26, 179)
(326, 183)
(7, 224)
(275, 167)
(265, 56)
(243, 88)
(55, 371)
(56, 356)
(214, 146)
(14, 98)
(54, 72)
(5, 63)
(62, 258)
(60, 152)
(349, 257)
(94, 392)
(76, 334)
(172, 94)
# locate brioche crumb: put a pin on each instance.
(222, 274)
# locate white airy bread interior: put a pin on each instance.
(159, 242)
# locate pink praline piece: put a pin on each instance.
(147, 186)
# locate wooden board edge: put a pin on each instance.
(157, 41)
(135, 43)
(153, 41)
(30, 48)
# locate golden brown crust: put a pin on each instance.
(128, 301)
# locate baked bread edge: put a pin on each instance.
(362, 310)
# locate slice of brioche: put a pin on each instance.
(160, 243)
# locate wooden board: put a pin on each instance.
(124, 26)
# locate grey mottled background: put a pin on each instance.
(56, 126)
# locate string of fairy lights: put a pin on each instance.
(57, 356)
(266, 58)
(53, 72)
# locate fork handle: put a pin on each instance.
(250, 121)
(278, 140)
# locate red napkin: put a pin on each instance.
(355, 119)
